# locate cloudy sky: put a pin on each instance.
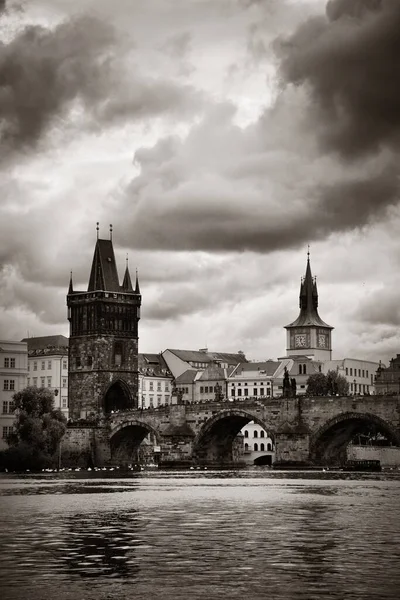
(220, 138)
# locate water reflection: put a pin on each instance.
(101, 546)
(202, 536)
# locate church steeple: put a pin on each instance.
(309, 334)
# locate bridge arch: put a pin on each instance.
(214, 443)
(328, 444)
(126, 442)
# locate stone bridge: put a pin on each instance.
(304, 430)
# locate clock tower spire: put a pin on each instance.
(309, 335)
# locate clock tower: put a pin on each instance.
(309, 335)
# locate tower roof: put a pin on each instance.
(308, 302)
(127, 283)
(104, 274)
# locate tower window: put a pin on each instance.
(118, 354)
(78, 361)
(90, 361)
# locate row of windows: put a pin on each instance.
(262, 447)
(159, 386)
(255, 383)
(49, 363)
(364, 373)
(207, 389)
(359, 388)
(9, 384)
(7, 430)
(9, 363)
(159, 400)
(255, 392)
(43, 382)
(255, 434)
(8, 407)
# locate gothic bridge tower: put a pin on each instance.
(309, 335)
(103, 344)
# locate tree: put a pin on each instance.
(37, 432)
(337, 384)
(293, 385)
(317, 385)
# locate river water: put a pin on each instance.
(250, 534)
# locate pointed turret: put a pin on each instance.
(127, 283)
(71, 287)
(137, 288)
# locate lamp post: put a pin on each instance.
(354, 388)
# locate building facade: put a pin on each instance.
(48, 367)
(13, 378)
(258, 446)
(360, 374)
(103, 343)
(309, 335)
(387, 379)
(155, 381)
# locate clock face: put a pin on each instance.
(300, 341)
(321, 341)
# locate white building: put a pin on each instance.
(255, 380)
(258, 446)
(48, 367)
(13, 378)
(155, 381)
(360, 374)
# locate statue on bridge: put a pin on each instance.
(219, 395)
(289, 385)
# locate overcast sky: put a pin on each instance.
(220, 138)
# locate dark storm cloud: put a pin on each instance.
(43, 70)
(78, 64)
(349, 60)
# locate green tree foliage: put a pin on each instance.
(37, 433)
(331, 384)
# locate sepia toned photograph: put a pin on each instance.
(199, 299)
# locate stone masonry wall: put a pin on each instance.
(87, 385)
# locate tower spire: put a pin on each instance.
(111, 229)
(71, 287)
(97, 230)
(137, 288)
(127, 283)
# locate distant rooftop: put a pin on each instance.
(46, 342)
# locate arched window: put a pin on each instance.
(304, 369)
(246, 446)
(262, 433)
(255, 447)
(255, 434)
(300, 369)
(269, 447)
(246, 433)
(262, 447)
